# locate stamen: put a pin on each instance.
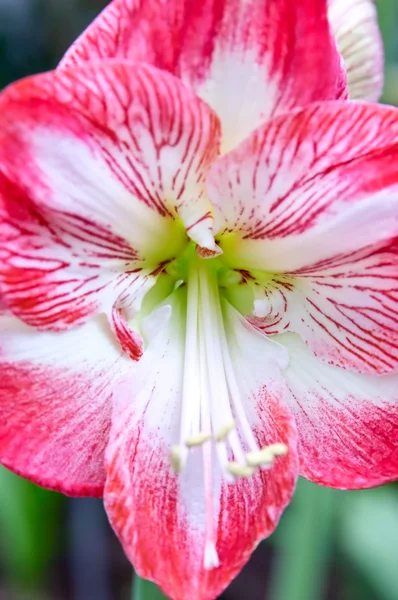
(176, 459)
(213, 413)
(225, 430)
(238, 470)
(235, 396)
(260, 458)
(190, 413)
(221, 406)
(267, 455)
(278, 449)
(210, 559)
(197, 440)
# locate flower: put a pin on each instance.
(200, 292)
(355, 26)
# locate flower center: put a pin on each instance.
(213, 419)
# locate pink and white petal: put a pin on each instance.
(55, 403)
(313, 196)
(347, 423)
(143, 496)
(56, 270)
(130, 341)
(99, 166)
(247, 60)
(356, 29)
(346, 311)
(3, 306)
(304, 177)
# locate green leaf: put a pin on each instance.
(388, 18)
(369, 537)
(304, 543)
(29, 518)
(388, 14)
(146, 590)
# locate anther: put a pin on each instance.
(238, 470)
(197, 440)
(266, 455)
(260, 458)
(176, 459)
(278, 449)
(226, 429)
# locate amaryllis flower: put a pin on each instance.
(199, 281)
(355, 26)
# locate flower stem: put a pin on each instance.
(145, 590)
(304, 545)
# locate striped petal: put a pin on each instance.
(144, 498)
(346, 309)
(248, 60)
(100, 170)
(313, 198)
(55, 404)
(347, 423)
(355, 26)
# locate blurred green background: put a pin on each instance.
(330, 545)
